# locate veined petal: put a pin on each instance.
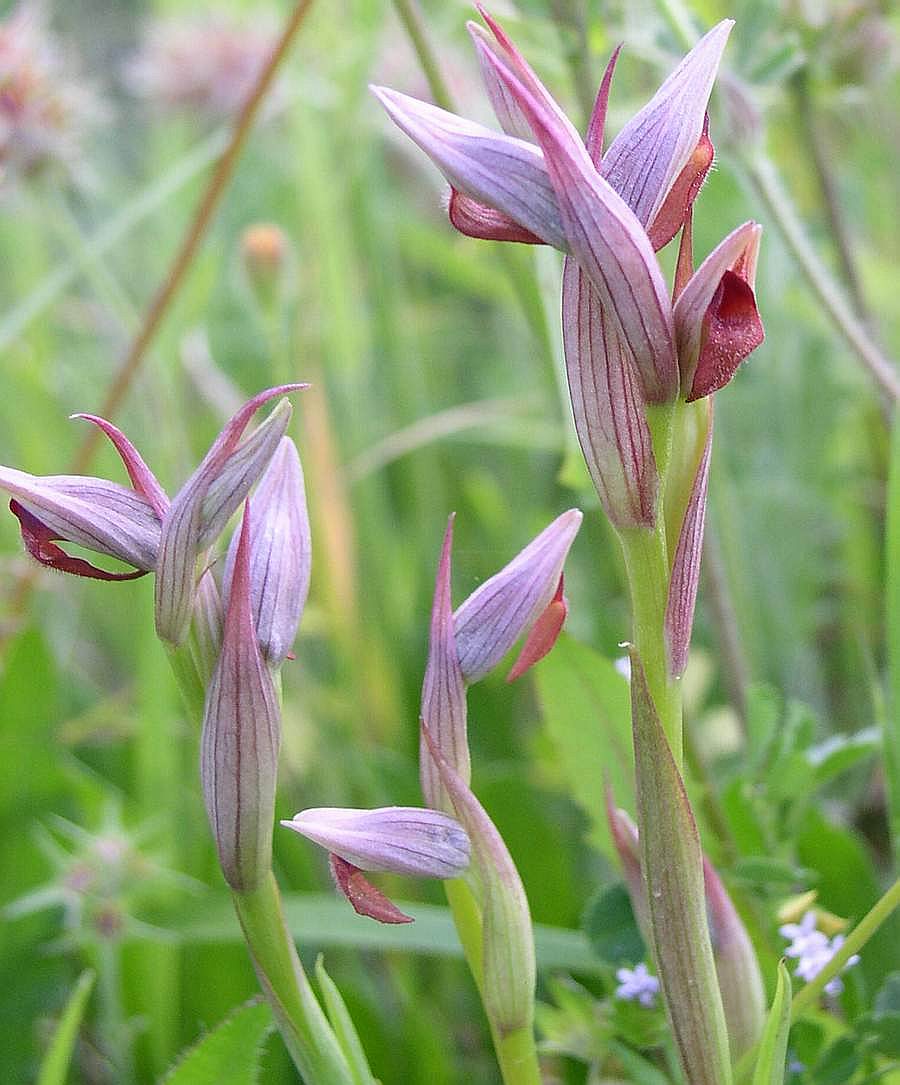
(443, 690)
(685, 576)
(608, 242)
(608, 405)
(501, 171)
(494, 616)
(716, 320)
(238, 471)
(281, 556)
(142, 478)
(597, 126)
(647, 156)
(206, 501)
(410, 840)
(91, 512)
(505, 107)
(241, 738)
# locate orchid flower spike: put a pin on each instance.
(538, 182)
(407, 840)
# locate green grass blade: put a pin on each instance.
(891, 737)
(773, 1045)
(55, 1067)
(324, 920)
(343, 1026)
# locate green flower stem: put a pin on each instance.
(516, 1051)
(647, 565)
(304, 1027)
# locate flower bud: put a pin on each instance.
(265, 256)
(740, 980)
(281, 555)
(494, 616)
(241, 739)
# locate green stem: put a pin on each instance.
(412, 20)
(116, 1037)
(647, 566)
(516, 1051)
(780, 208)
(304, 1027)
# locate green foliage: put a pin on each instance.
(228, 1055)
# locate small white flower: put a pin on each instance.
(813, 951)
(637, 985)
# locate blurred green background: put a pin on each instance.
(436, 371)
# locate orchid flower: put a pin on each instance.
(406, 840)
(139, 525)
(627, 345)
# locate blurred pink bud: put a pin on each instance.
(281, 556)
(740, 979)
(201, 64)
(241, 738)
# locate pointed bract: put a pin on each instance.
(645, 159)
(443, 708)
(508, 962)
(597, 126)
(501, 171)
(281, 556)
(205, 503)
(737, 966)
(241, 738)
(685, 576)
(608, 405)
(409, 840)
(142, 478)
(673, 866)
(503, 103)
(494, 616)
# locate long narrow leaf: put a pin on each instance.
(55, 1067)
(773, 1045)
